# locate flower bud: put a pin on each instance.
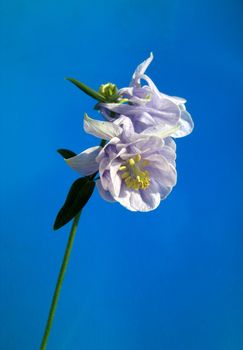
(109, 91)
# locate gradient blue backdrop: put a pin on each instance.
(171, 279)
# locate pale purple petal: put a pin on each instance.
(161, 170)
(140, 70)
(124, 197)
(142, 145)
(151, 198)
(160, 188)
(133, 200)
(109, 147)
(104, 194)
(185, 125)
(151, 84)
(105, 179)
(126, 125)
(169, 154)
(175, 99)
(170, 143)
(162, 130)
(115, 185)
(164, 191)
(144, 200)
(85, 163)
(101, 129)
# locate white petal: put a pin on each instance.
(151, 84)
(161, 130)
(124, 197)
(101, 129)
(175, 99)
(143, 202)
(125, 125)
(161, 170)
(185, 125)
(146, 119)
(151, 198)
(85, 163)
(104, 194)
(105, 179)
(136, 200)
(169, 154)
(115, 184)
(140, 70)
(164, 191)
(169, 142)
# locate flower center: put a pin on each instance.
(134, 175)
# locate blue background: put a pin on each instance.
(169, 279)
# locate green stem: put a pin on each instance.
(59, 282)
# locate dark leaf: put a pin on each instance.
(96, 95)
(66, 153)
(79, 194)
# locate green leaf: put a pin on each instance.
(96, 95)
(79, 194)
(66, 153)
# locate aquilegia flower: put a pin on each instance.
(136, 170)
(135, 161)
(146, 106)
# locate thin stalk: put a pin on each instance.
(59, 282)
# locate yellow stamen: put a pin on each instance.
(125, 175)
(134, 176)
(123, 167)
(123, 100)
(137, 158)
(131, 162)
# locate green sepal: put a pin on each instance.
(79, 194)
(96, 95)
(66, 153)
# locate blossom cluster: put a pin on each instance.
(136, 167)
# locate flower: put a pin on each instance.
(137, 166)
(147, 107)
(137, 174)
(136, 170)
